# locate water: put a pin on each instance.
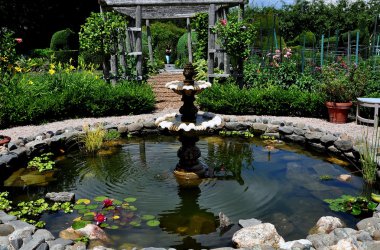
(281, 187)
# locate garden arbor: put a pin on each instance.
(147, 10)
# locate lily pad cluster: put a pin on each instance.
(353, 205)
(245, 134)
(110, 213)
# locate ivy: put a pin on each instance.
(201, 26)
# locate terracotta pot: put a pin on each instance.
(338, 112)
(4, 140)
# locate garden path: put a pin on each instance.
(166, 98)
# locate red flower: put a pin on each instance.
(18, 40)
(223, 22)
(100, 218)
(107, 203)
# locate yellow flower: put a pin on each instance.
(52, 66)
(30, 82)
(72, 67)
(18, 69)
(51, 71)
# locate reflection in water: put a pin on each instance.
(188, 218)
(228, 157)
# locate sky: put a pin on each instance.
(275, 3)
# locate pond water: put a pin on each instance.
(282, 187)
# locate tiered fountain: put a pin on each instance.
(189, 124)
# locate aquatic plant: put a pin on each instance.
(245, 134)
(112, 135)
(107, 203)
(353, 205)
(325, 177)
(42, 163)
(92, 138)
(5, 204)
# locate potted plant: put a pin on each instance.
(4, 140)
(340, 85)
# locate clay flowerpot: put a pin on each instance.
(4, 140)
(338, 112)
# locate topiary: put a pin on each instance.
(309, 37)
(182, 49)
(64, 40)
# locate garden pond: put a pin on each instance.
(281, 184)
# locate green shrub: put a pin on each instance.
(64, 40)
(229, 99)
(37, 98)
(66, 56)
(41, 53)
(308, 36)
(182, 49)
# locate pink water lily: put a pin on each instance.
(107, 203)
(100, 218)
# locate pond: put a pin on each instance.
(281, 186)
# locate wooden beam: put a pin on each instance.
(211, 42)
(189, 44)
(226, 57)
(121, 3)
(149, 35)
(163, 12)
(139, 42)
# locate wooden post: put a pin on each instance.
(105, 63)
(121, 45)
(139, 42)
(241, 12)
(211, 42)
(127, 40)
(189, 44)
(303, 54)
(149, 35)
(349, 48)
(226, 57)
(357, 48)
(322, 44)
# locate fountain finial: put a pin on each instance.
(189, 73)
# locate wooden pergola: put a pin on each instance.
(148, 10)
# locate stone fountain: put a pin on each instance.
(189, 124)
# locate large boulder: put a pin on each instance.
(60, 197)
(326, 224)
(261, 234)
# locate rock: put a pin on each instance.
(135, 127)
(4, 243)
(60, 197)
(371, 245)
(36, 147)
(333, 149)
(70, 234)
(326, 224)
(328, 139)
(106, 248)
(296, 244)
(343, 233)
(21, 225)
(276, 122)
(317, 146)
(299, 131)
(287, 130)
(94, 232)
(259, 128)
(343, 145)
(19, 236)
(149, 125)
(237, 126)
(4, 217)
(43, 234)
(262, 234)
(6, 230)
(296, 138)
(300, 125)
(224, 221)
(376, 235)
(6, 160)
(33, 244)
(289, 123)
(43, 246)
(78, 246)
(249, 222)
(346, 244)
(272, 129)
(59, 243)
(321, 240)
(313, 136)
(370, 225)
(344, 177)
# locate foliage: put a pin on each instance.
(31, 211)
(274, 100)
(236, 36)
(201, 69)
(368, 151)
(7, 55)
(307, 36)
(93, 138)
(65, 92)
(245, 134)
(349, 204)
(42, 163)
(112, 135)
(41, 53)
(201, 27)
(63, 40)
(97, 37)
(66, 56)
(182, 49)
(84, 239)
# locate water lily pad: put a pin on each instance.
(113, 227)
(100, 198)
(78, 219)
(83, 201)
(91, 207)
(79, 207)
(89, 214)
(88, 217)
(132, 208)
(104, 225)
(117, 202)
(79, 224)
(83, 211)
(125, 205)
(116, 217)
(135, 223)
(153, 223)
(148, 217)
(110, 208)
(130, 199)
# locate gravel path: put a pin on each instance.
(351, 129)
